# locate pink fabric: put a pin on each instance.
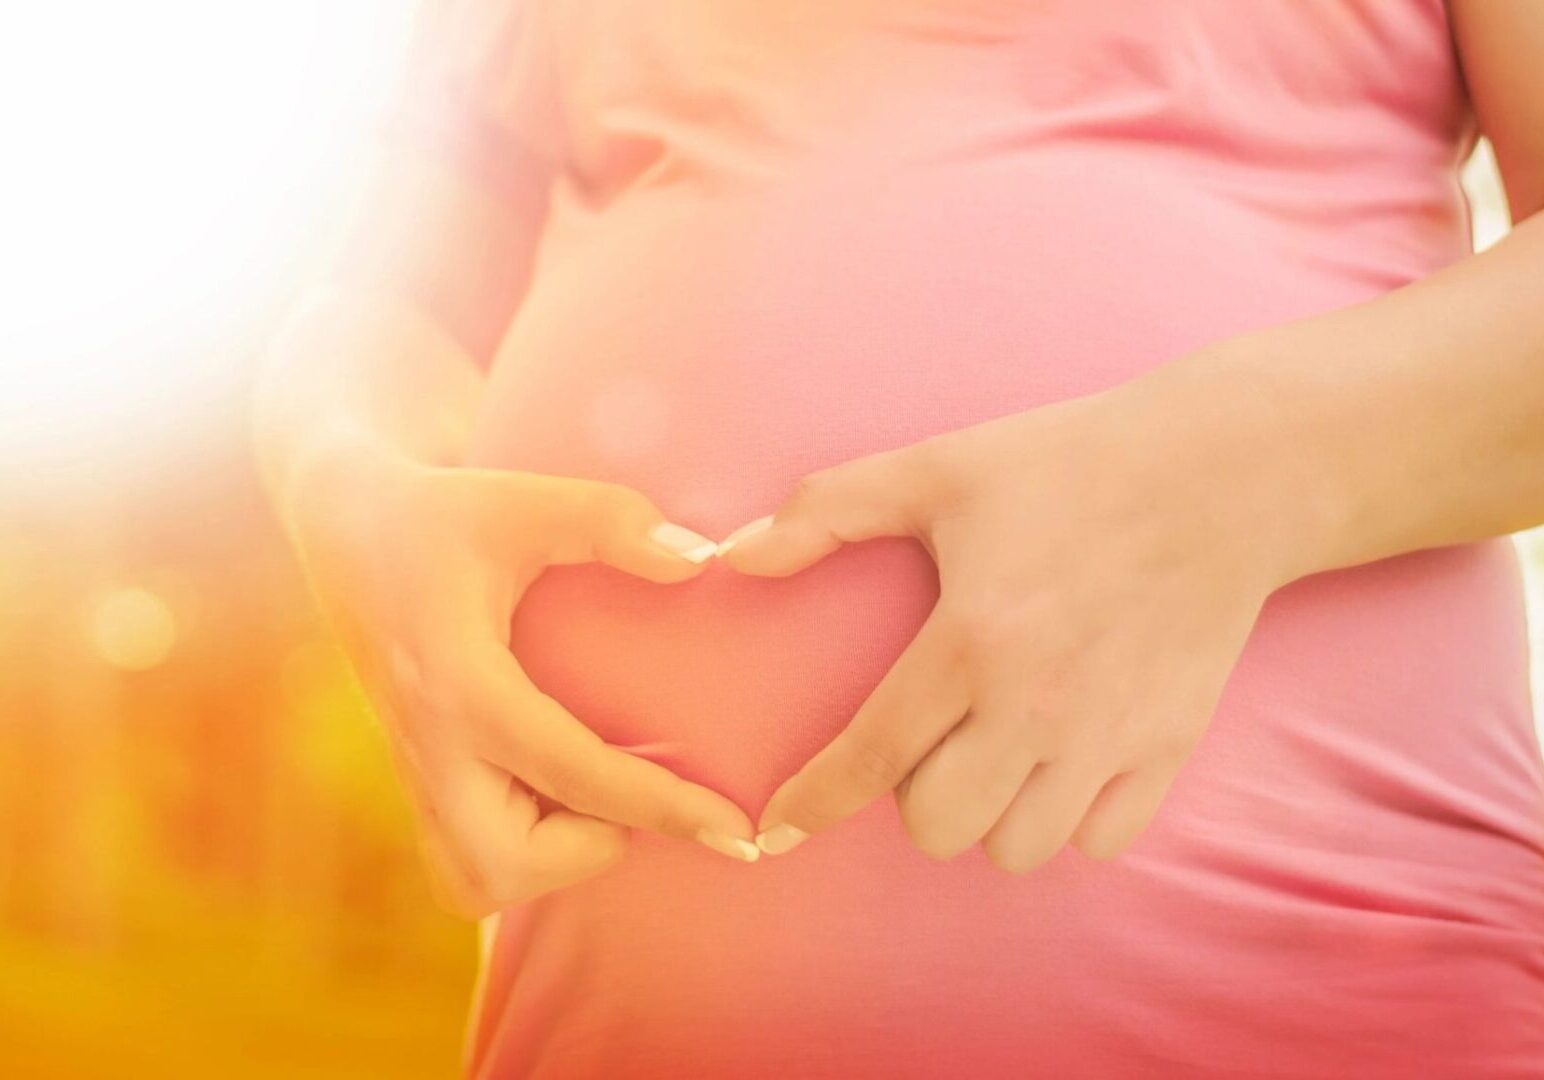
(784, 234)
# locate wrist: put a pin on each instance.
(358, 375)
(335, 470)
(1225, 418)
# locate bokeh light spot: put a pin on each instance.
(133, 629)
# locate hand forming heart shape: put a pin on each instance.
(1088, 615)
(1093, 601)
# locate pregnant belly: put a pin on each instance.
(709, 349)
(1367, 796)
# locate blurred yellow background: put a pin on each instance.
(205, 865)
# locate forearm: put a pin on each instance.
(390, 349)
(353, 370)
(1411, 421)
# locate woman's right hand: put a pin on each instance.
(419, 568)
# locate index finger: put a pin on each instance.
(535, 738)
(915, 705)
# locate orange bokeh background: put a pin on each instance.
(205, 865)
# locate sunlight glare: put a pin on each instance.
(168, 158)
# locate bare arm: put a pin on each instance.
(1103, 560)
(1501, 45)
(393, 342)
(362, 417)
(1417, 419)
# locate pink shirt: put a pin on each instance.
(784, 234)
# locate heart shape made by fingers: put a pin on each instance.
(729, 680)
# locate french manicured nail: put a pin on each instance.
(780, 838)
(691, 546)
(750, 528)
(732, 846)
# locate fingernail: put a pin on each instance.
(732, 846)
(750, 528)
(780, 838)
(691, 546)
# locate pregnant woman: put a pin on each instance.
(1123, 672)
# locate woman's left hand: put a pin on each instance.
(1101, 562)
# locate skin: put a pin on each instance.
(418, 563)
(1089, 614)
(1059, 685)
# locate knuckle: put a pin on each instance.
(668, 813)
(609, 848)
(631, 504)
(926, 818)
(956, 638)
(937, 475)
(937, 846)
(405, 673)
(504, 884)
(411, 745)
(557, 502)
(583, 502)
(1018, 855)
(814, 802)
(456, 885)
(872, 763)
(417, 714)
(810, 489)
(573, 784)
(1008, 859)
(605, 516)
(1107, 836)
(473, 876)
(436, 663)
(491, 868)
(930, 834)
(977, 631)
(606, 503)
(560, 782)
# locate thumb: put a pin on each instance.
(878, 495)
(564, 520)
